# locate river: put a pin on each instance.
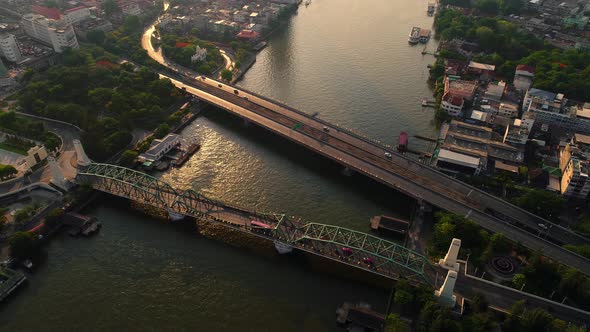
(350, 61)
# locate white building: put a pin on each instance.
(9, 48)
(451, 104)
(523, 77)
(160, 147)
(77, 14)
(57, 34)
(550, 108)
(200, 55)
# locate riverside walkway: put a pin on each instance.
(369, 157)
(353, 248)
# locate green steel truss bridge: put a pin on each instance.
(353, 248)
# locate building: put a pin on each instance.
(523, 77)
(9, 48)
(574, 181)
(461, 88)
(160, 147)
(508, 110)
(551, 109)
(248, 35)
(57, 34)
(495, 91)
(200, 55)
(517, 134)
(50, 13)
(478, 142)
(77, 14)
(458, 162)
(485, 70)
(451, 104)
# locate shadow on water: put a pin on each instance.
(330, 171)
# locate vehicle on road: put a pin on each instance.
(219, 85)
(236, 91)
(203, 78)
(245, 98)
(388, 155)
(326, 129)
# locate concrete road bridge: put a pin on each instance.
(384, 164)
(350, 247)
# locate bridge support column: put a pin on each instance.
(83, 160)
(57, 176)
(445, 292)
(450, 260)
(174, 216)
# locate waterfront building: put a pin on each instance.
(481, 143)
(160, 147)
(9, 48)
(455, 93)
(57, 34)
(248, 35)
(452, 104)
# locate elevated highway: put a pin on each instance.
(384, 164)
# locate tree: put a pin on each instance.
(7, 171)
(22, 245)
(227, 75)
(96, 36)
(53, 218)
(128, 157)
(109, 7)
(543, 203)
(519, 280)
(536, 320)
(132, 24)
(487, 6)
(394, 323)
(486, 37)
(162, 130)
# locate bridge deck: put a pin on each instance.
(403, 174)
(346, 246)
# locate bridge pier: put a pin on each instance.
(57, 176)
(445, 292)
(450, 260)
(83, 160)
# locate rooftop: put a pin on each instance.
(481, 66)
(583, 139)
(542, 94)
(526, 68)
(458, 158)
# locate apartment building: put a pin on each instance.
(9, 48)
(57, 34)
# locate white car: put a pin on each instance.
(387, 155)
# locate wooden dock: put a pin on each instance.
(390, 224)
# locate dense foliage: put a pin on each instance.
(22, 245)
(23, 127)
(7, 171)
(505, 46)
(105, 99)
(180, 49)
